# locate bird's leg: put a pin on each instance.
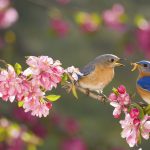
(104, 97)
(87, 92)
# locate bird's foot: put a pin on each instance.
(67, 86)
(104, 97)
(87, 92)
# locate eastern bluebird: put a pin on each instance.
(99, 72)
(143, 81)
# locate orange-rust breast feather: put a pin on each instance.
(144, 94)
(97, 79)
(143, 74)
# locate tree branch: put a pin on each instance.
(101, 98)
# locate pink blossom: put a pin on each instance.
(4, 4)
(89, 22)
(73, 144)
(120, 101)
(130, 130)
(134, 113)
(45, 72)
(9, 83)
(118, 109)
(113, 97)
(121, 89)
(133, 127)
(59, 26)
(113, 18)
(145, 127)
(34, 101)
(142, 36)
(36, 107)
(8, 17)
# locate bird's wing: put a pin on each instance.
(89, 68)
(144, 83)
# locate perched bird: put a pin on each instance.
(143, 81)
(99, 72)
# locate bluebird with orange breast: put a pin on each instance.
(143, 81)
(99, 72)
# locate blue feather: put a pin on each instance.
(88, 69)
(144, 62)
(144, 83)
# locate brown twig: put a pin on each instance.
(68, 87)
(101, 98)
(3, 62)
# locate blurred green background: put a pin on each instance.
(33, 36)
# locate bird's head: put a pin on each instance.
(109, 60)
(143, 66)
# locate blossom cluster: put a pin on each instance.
(88, 22)
(16, 137)
(136, 123)
(120, 99)
(8, 14)
(114, 18)
(134, 127)
(29, 87)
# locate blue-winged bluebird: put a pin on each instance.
(99, 72)
(143, 81)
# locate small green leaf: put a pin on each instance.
(147, 110)
(20, 104)
(139, 139)
(18, 68)
(53, 98)
(74, 92)
(64, 78)
(140, 20)
(115, 91)
(135, 105)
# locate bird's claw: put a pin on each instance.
(87, 92)
(104, 97)
(67, 86)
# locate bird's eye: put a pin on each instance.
(112, 60)
(145, 65)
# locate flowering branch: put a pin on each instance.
(32, 87)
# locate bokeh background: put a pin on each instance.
(75, 32)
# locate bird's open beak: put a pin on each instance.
(118, 62)
(135, 66)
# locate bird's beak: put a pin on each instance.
(118, 62)
(135, 66)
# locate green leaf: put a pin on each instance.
(64, 78)
(139, 139)
(139, 20)
(74, 92)
(20, 104)
(115, 91)
(147, 110)
(18, 68)
(53, 98)
(135, 105)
